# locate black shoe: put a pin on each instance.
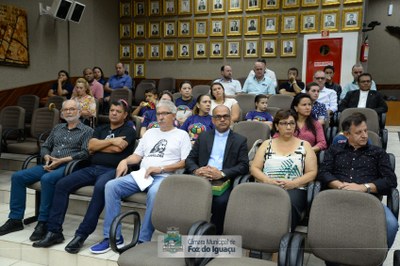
(49, 240)
(75, 245)
(40, 231)
(10, 226)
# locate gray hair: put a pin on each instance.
(77, 104)
(165, 103)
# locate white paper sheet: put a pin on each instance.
(142, 182)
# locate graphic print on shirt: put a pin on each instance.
(195, 130)
(159, 149)
(287, 169)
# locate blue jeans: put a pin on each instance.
(96, 175)
(392, 226)
(21, 179)
(123, 187)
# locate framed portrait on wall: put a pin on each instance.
(309, 3)
(268, 48)
(140, 8)
(250, 48)
(252, 25)
(290, 4)
(216, 49)
(330, 2)
(235, 6)
(253, 5)
(288, 47)
(289, 23)
(217, 6)
(125, 51)
(169, 29)
(330, 20)
(201, 6)
(169, 8)
(139, 30)
(184, 7)
(200, 49)
(184, 50)
(234, 27)
(351, 19)
(139, 51)
(271, 4)
(270, 24)
(154, 51)
(125, 31)
(169, 51)
(309, 22)
(200, 28)
(125, 9)
(184, 28)
(233, 48)
(127, 66)
(154, 29)
(217, 27)
(154, 8)
(139, 70)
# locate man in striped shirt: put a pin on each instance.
(66, 142)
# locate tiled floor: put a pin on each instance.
(16, 249)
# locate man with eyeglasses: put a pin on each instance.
(66, 142)
(109, 144)
(326, 96)
(219, 154)
(161, 151)
(364, 97)
(259, 83)
(356, 71)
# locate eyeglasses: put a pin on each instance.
(163, 113)
(320, 78)
(285, 124)
(365, 81)
(219, 117)
(69, 110)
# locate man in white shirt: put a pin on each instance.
(259, 83)
(268, 73)
(356, 71)
(231, 86)
(326, 96)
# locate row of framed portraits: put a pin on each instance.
(305, 22)
(203, 49)
(204, 7)
(137, 69)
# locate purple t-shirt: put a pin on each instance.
(259, 116)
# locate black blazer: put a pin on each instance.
(236, 160)
(374, 101)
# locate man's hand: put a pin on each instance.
(119, 142)
(354, 186)
(153, 170)
(210, 172)
(122, 169)
(52, 163)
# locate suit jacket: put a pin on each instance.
(236, 160)
(374, 101)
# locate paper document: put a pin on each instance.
(142, 182)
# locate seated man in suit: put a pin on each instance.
(364, 97)
(355, 165)
(219, 154)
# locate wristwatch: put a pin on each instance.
(162, 170)
(223, 174)
(368, 187)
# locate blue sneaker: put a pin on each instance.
(104, 246)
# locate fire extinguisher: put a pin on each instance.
(364, 50)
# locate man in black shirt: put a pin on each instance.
(358, 166)
(108, 146)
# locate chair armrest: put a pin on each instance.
(243, 179)
(382, 120)
(76, 165)
(29, 159)
(284, 249)
(384, 137)
(200, 228)
(393, 202)
(336, 117)
(296, 249)
(113, 231)
(42, 137)
(18, 132)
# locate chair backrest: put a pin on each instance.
(374, 138)
(341, 228)
(260, 213)
(372, 118)
(252, 130)
(246, 103)
(280, 100)
(273, 110)
(138, 125)
(123, 93)
(12, 117)
(200, 89)
(242, 80)
(178, 204)
(139, 92)
(168, 84)
(57, 100)
(29, 102)
(152, 81)
(44, 120)
(176, 95)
